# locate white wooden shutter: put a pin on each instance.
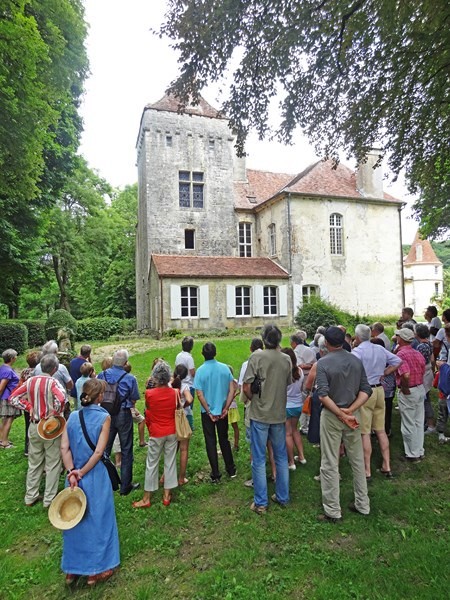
(282, 299)
(204, 301)
(298, 298)
(258, 301)
(175, 302)
(231, 301)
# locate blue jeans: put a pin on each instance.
(260, 433)
(122, 424)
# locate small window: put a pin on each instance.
(272, 239)
(270, 300)
(189, 301)
(189, 239)
(336, 246)
(436, 289)
(309, 291)
(242, 301)
(190, 187)
(245, 239)
(436, 270)
(212, 144)
(169, 141)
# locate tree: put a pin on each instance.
(350, 72)
(42, 68)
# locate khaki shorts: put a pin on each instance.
(372, 412)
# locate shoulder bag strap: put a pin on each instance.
(85, 433)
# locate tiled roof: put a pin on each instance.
(170, 103)
(421, 252)
(319, 179)
(216, 266)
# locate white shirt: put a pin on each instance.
(185, 358)
(305, 355)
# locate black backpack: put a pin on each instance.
(111, 398)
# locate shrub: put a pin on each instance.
(60, 319)
(36, 333)
(129, 325)
(99, 328)
(13, 335)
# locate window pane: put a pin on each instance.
(197, 176)
(184, 195)
(184, 176)
(198, 195)
(189, 239)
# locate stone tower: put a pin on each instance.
(186, 164)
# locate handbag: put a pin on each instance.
(306, 409)
(182, 426)
(110, 467)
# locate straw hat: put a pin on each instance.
(51, 428)
(67, 508)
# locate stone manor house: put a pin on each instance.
(220, 245)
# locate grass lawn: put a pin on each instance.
(208, 544)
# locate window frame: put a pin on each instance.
(272, 239)
(186, 232)
(195, 182)
(270, 300)
(336, 224)
(245, 244)
(306, 297)
(243, 293)
(189, 305)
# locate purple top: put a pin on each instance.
(7, 372)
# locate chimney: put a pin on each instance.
(369, 181)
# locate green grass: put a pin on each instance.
(208, 544)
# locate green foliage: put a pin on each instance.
(349, 74)
(42, 68)
(36, 333)
(60, 319)
(13, 335)
(318, 312)
(99, 328)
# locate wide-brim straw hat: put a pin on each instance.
(52, 427)
(67, 508)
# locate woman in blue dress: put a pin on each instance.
(91, 548)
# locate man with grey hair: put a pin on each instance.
(122, 423)
(62, 374)
(378, 362)
(43, 397)
(378, 332)
(265, 383)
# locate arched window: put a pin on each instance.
(336, 237)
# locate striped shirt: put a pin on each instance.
(413, 364)
(42, 396)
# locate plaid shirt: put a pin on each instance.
(42, 396)
(413, 363)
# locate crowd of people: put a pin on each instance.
(337, 392)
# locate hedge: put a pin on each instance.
(99, 328)
(13, 335)
(36, 333)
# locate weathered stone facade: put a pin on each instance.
(194, 194)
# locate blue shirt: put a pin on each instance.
(375, 358)
(213, 380)
(74, 371)
(128, 387)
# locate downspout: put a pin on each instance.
(288, 206)
(402, 273)
(161, 313)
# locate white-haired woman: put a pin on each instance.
(8, 381)
(161, 402)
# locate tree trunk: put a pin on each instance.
(63, 297)
(13, 305)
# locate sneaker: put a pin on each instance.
(430, 430)
(259, 510)
(443, 439)
(353, 508)
(234, 475)
(302, 461)
(323, 518)
(275, 499)
(248, 483)
(292, 467)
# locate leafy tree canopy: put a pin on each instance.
(350, 72)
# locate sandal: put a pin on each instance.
(183, 481)
(387, 474)
(141, 504)
(71, 578)
(94, 579)
(167, 501)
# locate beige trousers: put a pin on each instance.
(156, 446)
(42, 454)
(412, 414)
(332, 431)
